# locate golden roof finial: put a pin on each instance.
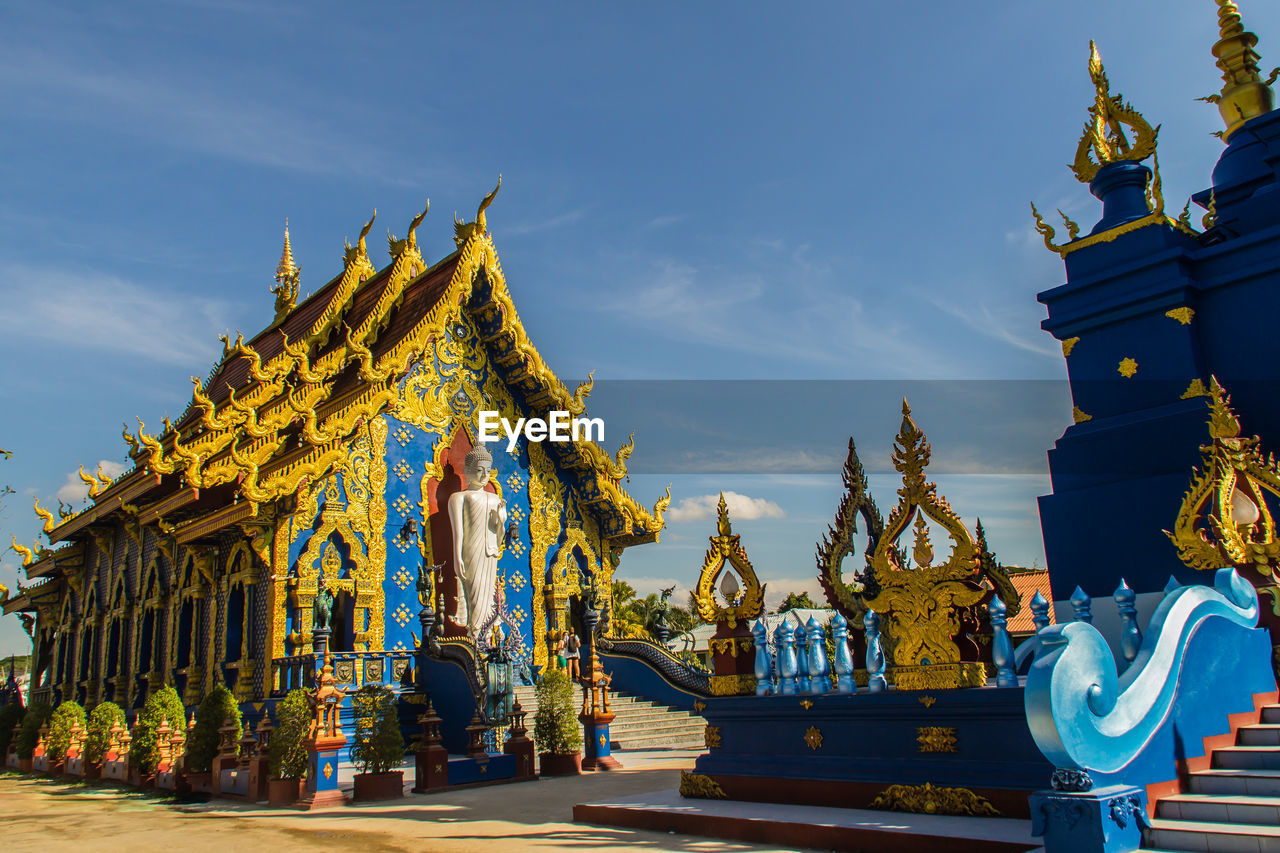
(722, 518)
(1104, 140)
(1245, 94)
(286, 270)
(289, 275)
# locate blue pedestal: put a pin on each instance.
(1107, 819)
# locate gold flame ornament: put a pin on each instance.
(288, 276)
(1245, 95)
(922, 603)
(1224, 520)
(1104, 140)
(838, 543)
(726, 548)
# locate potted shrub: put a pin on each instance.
(379, 746)
(212, 714)
(164, 704)
(555, 728)
(67, 715)
(35, 717)
(288, 750)
(98, 737)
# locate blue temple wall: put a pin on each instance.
(1119, 473)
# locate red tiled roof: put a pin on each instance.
(1028, 584)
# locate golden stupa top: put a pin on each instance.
(1245, 95)
(286, 270)
(1104, 140)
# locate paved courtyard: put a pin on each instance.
(45, 814)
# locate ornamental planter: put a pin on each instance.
(201, 783)
(282, 793)
(379, 786)
(92, 771)
(552, 764)
(25, 764)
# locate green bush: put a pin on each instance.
(288, 751)
(555, 727)
(67, 715)
(10, 716)
(211, 716)
(379, 745)
(164, 703)
(35, 717)
(101, 719)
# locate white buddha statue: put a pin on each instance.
(478, 519)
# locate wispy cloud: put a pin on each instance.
(740, 507)
(549, 224)
(74, 489)
(666, 220)
(235, 120)
(101, 312)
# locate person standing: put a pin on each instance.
(571, 654)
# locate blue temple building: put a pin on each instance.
(1153, 307)
(319, 455)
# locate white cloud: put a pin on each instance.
(97, 310)
(74, 489)
(740, 507)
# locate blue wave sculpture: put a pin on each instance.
(1083, 715)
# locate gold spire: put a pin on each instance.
(288, 274)
(1104, 140)
(286, 269)
(1244, 93)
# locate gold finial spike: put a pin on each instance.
(286, 270)
(722, 523)
(1245, 95)
(1222, 420)
(1104, 140)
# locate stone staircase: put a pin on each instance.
(640, 724)
(1235, 804)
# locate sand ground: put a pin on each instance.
(43, 814)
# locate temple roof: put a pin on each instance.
(274, 413)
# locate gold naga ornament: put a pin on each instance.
(1224, 520)
(837, 543)
(741, 602)
(1104, 140)
(288, 277)
(922, 605)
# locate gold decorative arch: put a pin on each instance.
(726, 549)
(838, 542)
(1224, 519)
(1104, 140)
(921, 603)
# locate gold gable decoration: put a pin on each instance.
(288, 277)
(922, 604)
(1224, 519)
(746, 601)
(1104, 140)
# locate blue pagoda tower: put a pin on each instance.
(1152, 309)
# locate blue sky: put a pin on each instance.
(690, 191)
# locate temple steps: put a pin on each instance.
(1232, 806)
(639, 723)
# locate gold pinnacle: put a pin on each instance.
(1245, 95)
(286, 270)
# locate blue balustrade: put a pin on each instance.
(875, 653)
(843, 663)
(785, 642)
(819, 666)
(802, 660)
(764, 664)
(1027, 650)
(1130, 634)
(1082, 604)
(1001, 645)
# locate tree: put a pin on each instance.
(104, 716)
(287, 749)
(797, 602)
(555, 727)
(65, 717)
(215, 709)
(165, 704)
(378, 745)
